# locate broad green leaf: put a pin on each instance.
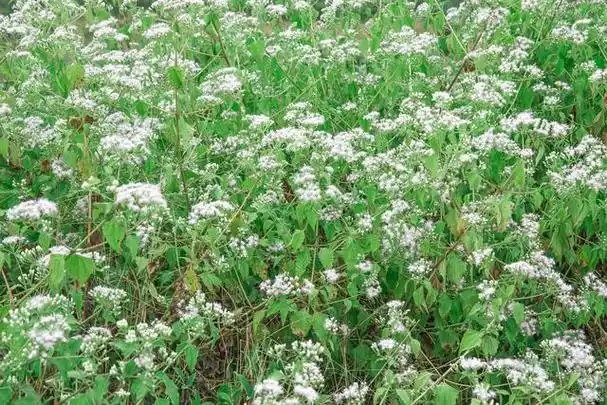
(113, 233)
(176, 77)
(56, 273)
(191, 356)
(297, 239)
(301, 322)
(444, 394)
(190, 279)
(170, 388)
(471, 339)
(325, 255)
(80, 268)
(132, 244)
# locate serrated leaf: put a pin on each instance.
(114, 233)
(176, 77)
(4, 148)
(170, 388)
(403, 396)
(489, 345)
(518, 312)
(56, 272)
(191, 356)
(80, 268)
(471, 339)
(301, 322)
(297, 239)
(444, 394)
(132, 244)
(139, 388)
(190, 279)
(257, 319)
(325, 255)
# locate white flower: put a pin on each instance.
(331, 275)
(353, 394)
(285, 284)
(209, 210)
(111, 298)
(308, 393)
(32, 210)
(140, 197)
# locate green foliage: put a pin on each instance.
(352, 202)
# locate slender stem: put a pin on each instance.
(178, 151)
(11, 298)
(461, 66)
(223, 49)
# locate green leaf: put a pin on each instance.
(176, 77)
(80, 268)
(6, 393)
(444, 394)
(170, 388)
(325, 255)
(297, 239)
(246, 385)
(518, 312)
(403, 396)
(56, 272)
(191, 356)
(74, 73)
(113, 233)
(301, 322)
(257, 319)
(132, 244)
(504, 213)
(100, 388)
(190, 279)
(489, 345)
(185, 130)
(4, 148)
(139, 388)
(471, 339)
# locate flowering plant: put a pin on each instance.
(296, 202)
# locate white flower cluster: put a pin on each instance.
(541, 267)
(95, 340)
(538, 126)
(300, 114)
(284, 284)
(140, 197)
(37, 134)
(33, 330)
(307, 187)
(499, 141)
(198, 312)
(150, 339)
(586, 166)
(354, 394)
(396, 318)
(334, 327)
(407, 42)
(574, 357)
(526, 372)
(32, 210)
(303, 359)
(223, 83)
(126, 141)
(110, 298)
(397, 356)
(594, 283)
(219, 209)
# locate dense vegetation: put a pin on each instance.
(296, 202)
